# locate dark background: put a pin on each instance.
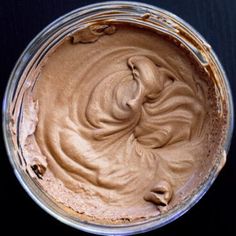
(21, 20)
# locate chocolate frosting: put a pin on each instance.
(121, 120)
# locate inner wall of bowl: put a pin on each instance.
(27, 71)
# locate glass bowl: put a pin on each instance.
(127, 12)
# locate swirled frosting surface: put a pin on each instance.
(122, 117)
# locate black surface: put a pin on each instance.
(21, 20)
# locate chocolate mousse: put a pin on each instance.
(118, 125)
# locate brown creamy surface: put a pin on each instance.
(121, 122)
